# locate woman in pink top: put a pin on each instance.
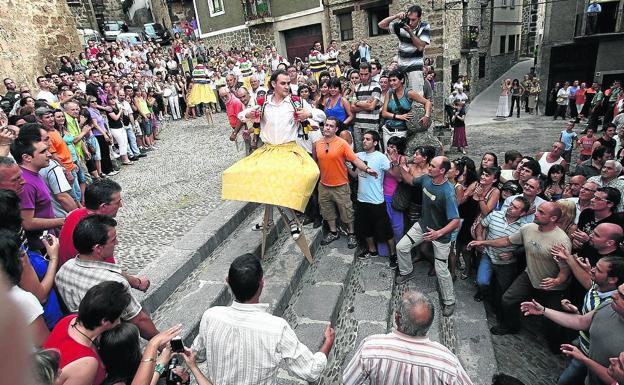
(580, 98)
(395, 151)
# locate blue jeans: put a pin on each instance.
(75, 191)
(133, 149)
(573, 374)
(484, 273)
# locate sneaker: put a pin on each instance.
(258, 226)
(394, 264)
(352, 242)
(329, 238)
(400, 278)
(448, 310)
(295, 230)
(113, 173)
(142, 155)
(367, 254)
(343, 230)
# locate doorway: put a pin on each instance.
(300, 40)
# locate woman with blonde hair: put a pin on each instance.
(503, 101)
(568, 213)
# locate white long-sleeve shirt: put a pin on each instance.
(278, 125)
(244, 345)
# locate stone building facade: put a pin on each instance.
(44, 31)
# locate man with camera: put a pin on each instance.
(414, 36)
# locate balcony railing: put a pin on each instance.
(256, 9)
(589, 24)
(470, 37)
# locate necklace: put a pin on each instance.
(86, 336)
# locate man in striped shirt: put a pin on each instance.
(414, 36)
(366, 106)
(500, 261)
(405, 355)
(245, 345)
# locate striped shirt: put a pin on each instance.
(593, 299)
(77, 276)
(498, 227)
(410, 57)
(396, 358)
(243, 344)
(368, 120)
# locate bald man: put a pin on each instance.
(232, 107)
(439, 218)
(544, 277)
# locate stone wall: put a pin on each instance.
(262, 35)
(113, 10)
(160, 13)
(227, 40)
(84, 16)
(44, 30)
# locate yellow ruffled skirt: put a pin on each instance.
(283, 175)
(201, 93)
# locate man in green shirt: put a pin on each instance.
(596, 107)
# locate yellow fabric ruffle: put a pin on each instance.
(201, 93)
(283, 175)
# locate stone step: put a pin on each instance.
(178, 261)
(205, 286)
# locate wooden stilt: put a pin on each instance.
(265, 230)
(302, 242)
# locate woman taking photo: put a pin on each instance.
(398, 105)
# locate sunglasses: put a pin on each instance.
(326, 148)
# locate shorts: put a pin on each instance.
(94, 143)
(371, 220)
(332, 196)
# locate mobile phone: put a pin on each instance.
(177, 346)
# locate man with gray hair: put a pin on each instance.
(608, 177)
(406, 352)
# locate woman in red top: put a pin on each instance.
(76, 336)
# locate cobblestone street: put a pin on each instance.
(165, 194)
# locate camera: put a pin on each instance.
(177, 346)
(172, 378)
(404, 21)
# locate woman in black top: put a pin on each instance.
(516, 91)
(116, 126)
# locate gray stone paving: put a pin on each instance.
(166, 193)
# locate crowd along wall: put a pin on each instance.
(44, 31)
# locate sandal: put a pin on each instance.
(143, 285)
(258, 226)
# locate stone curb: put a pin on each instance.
(179, 260)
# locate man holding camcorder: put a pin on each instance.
(414, 36)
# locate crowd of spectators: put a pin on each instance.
(540, 235)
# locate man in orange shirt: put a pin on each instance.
(331, 153)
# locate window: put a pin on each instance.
(375, 15)
(345, 23)
(216, 7)
(481, 67)
(503, 3)
(512, 3)
(512, 43)
(503, 40)
(517, 42)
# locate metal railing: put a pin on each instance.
(470, 37)
(256, 9)
(588, 24)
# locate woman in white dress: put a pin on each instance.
(503, 101)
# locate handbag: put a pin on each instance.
(401, 197)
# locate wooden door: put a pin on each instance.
(300, 40)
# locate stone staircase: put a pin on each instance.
(357, 297)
